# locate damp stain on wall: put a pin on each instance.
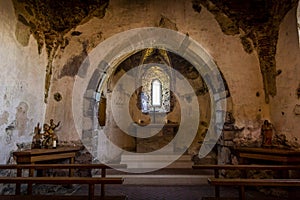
(4, 118)
(48, 21)
(21, 118)
(257, 23)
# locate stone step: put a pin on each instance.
(164, 171)
(131, 179)
(156, 161)
(142, 157)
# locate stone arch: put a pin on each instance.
(107, 55)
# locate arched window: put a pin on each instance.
(156, 88)
(155, 94)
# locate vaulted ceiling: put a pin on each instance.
(256, 22)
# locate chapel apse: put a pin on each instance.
(255, 24)
(147, 60)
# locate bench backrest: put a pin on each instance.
(62, 180)
(254, 182)
(62, 166)
(248, 167)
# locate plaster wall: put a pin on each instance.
(284, 112)
(23, 70)
(21, 85)
(240, 69)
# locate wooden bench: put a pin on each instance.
(91, 181)
(244, 181)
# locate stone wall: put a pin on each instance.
(24, 70)
(245, 85)
(22, 85)
(249, 107)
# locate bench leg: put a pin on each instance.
(29, 185)
(217, 191)
(103, 174)
(71, 170)
(91, 191)
(242, 195)
(18, 185)
(217, 188)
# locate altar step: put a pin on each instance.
(150, 179)
(156, 161)
(180, 172)
(165, 176)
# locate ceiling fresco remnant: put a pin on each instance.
(257, 23)
(48, 21)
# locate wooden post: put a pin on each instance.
(103, 174)
(91, 191)
(18, 185)
(242, 195)
(29, 185)
(217, 188)
(71, 170)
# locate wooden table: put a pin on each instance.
(250, 155)
(282, 156)
(33, 156)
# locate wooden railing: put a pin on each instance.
(243, 181)
(29, 180)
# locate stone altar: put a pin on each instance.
(154, 137)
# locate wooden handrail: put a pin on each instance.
(62, 166)
(248, 167)
(30, 180)
(243, 168)
(91, 181)
(62, 180)
(243, 182)
(254, 182)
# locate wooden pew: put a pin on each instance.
(243, 181)
(91, 181)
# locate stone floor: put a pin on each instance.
(167, 184)
(181, 192)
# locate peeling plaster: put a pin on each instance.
(256, 21)
(4, 118)
(21, 118)
(49, 21)
(73, 64)
(297, 110)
